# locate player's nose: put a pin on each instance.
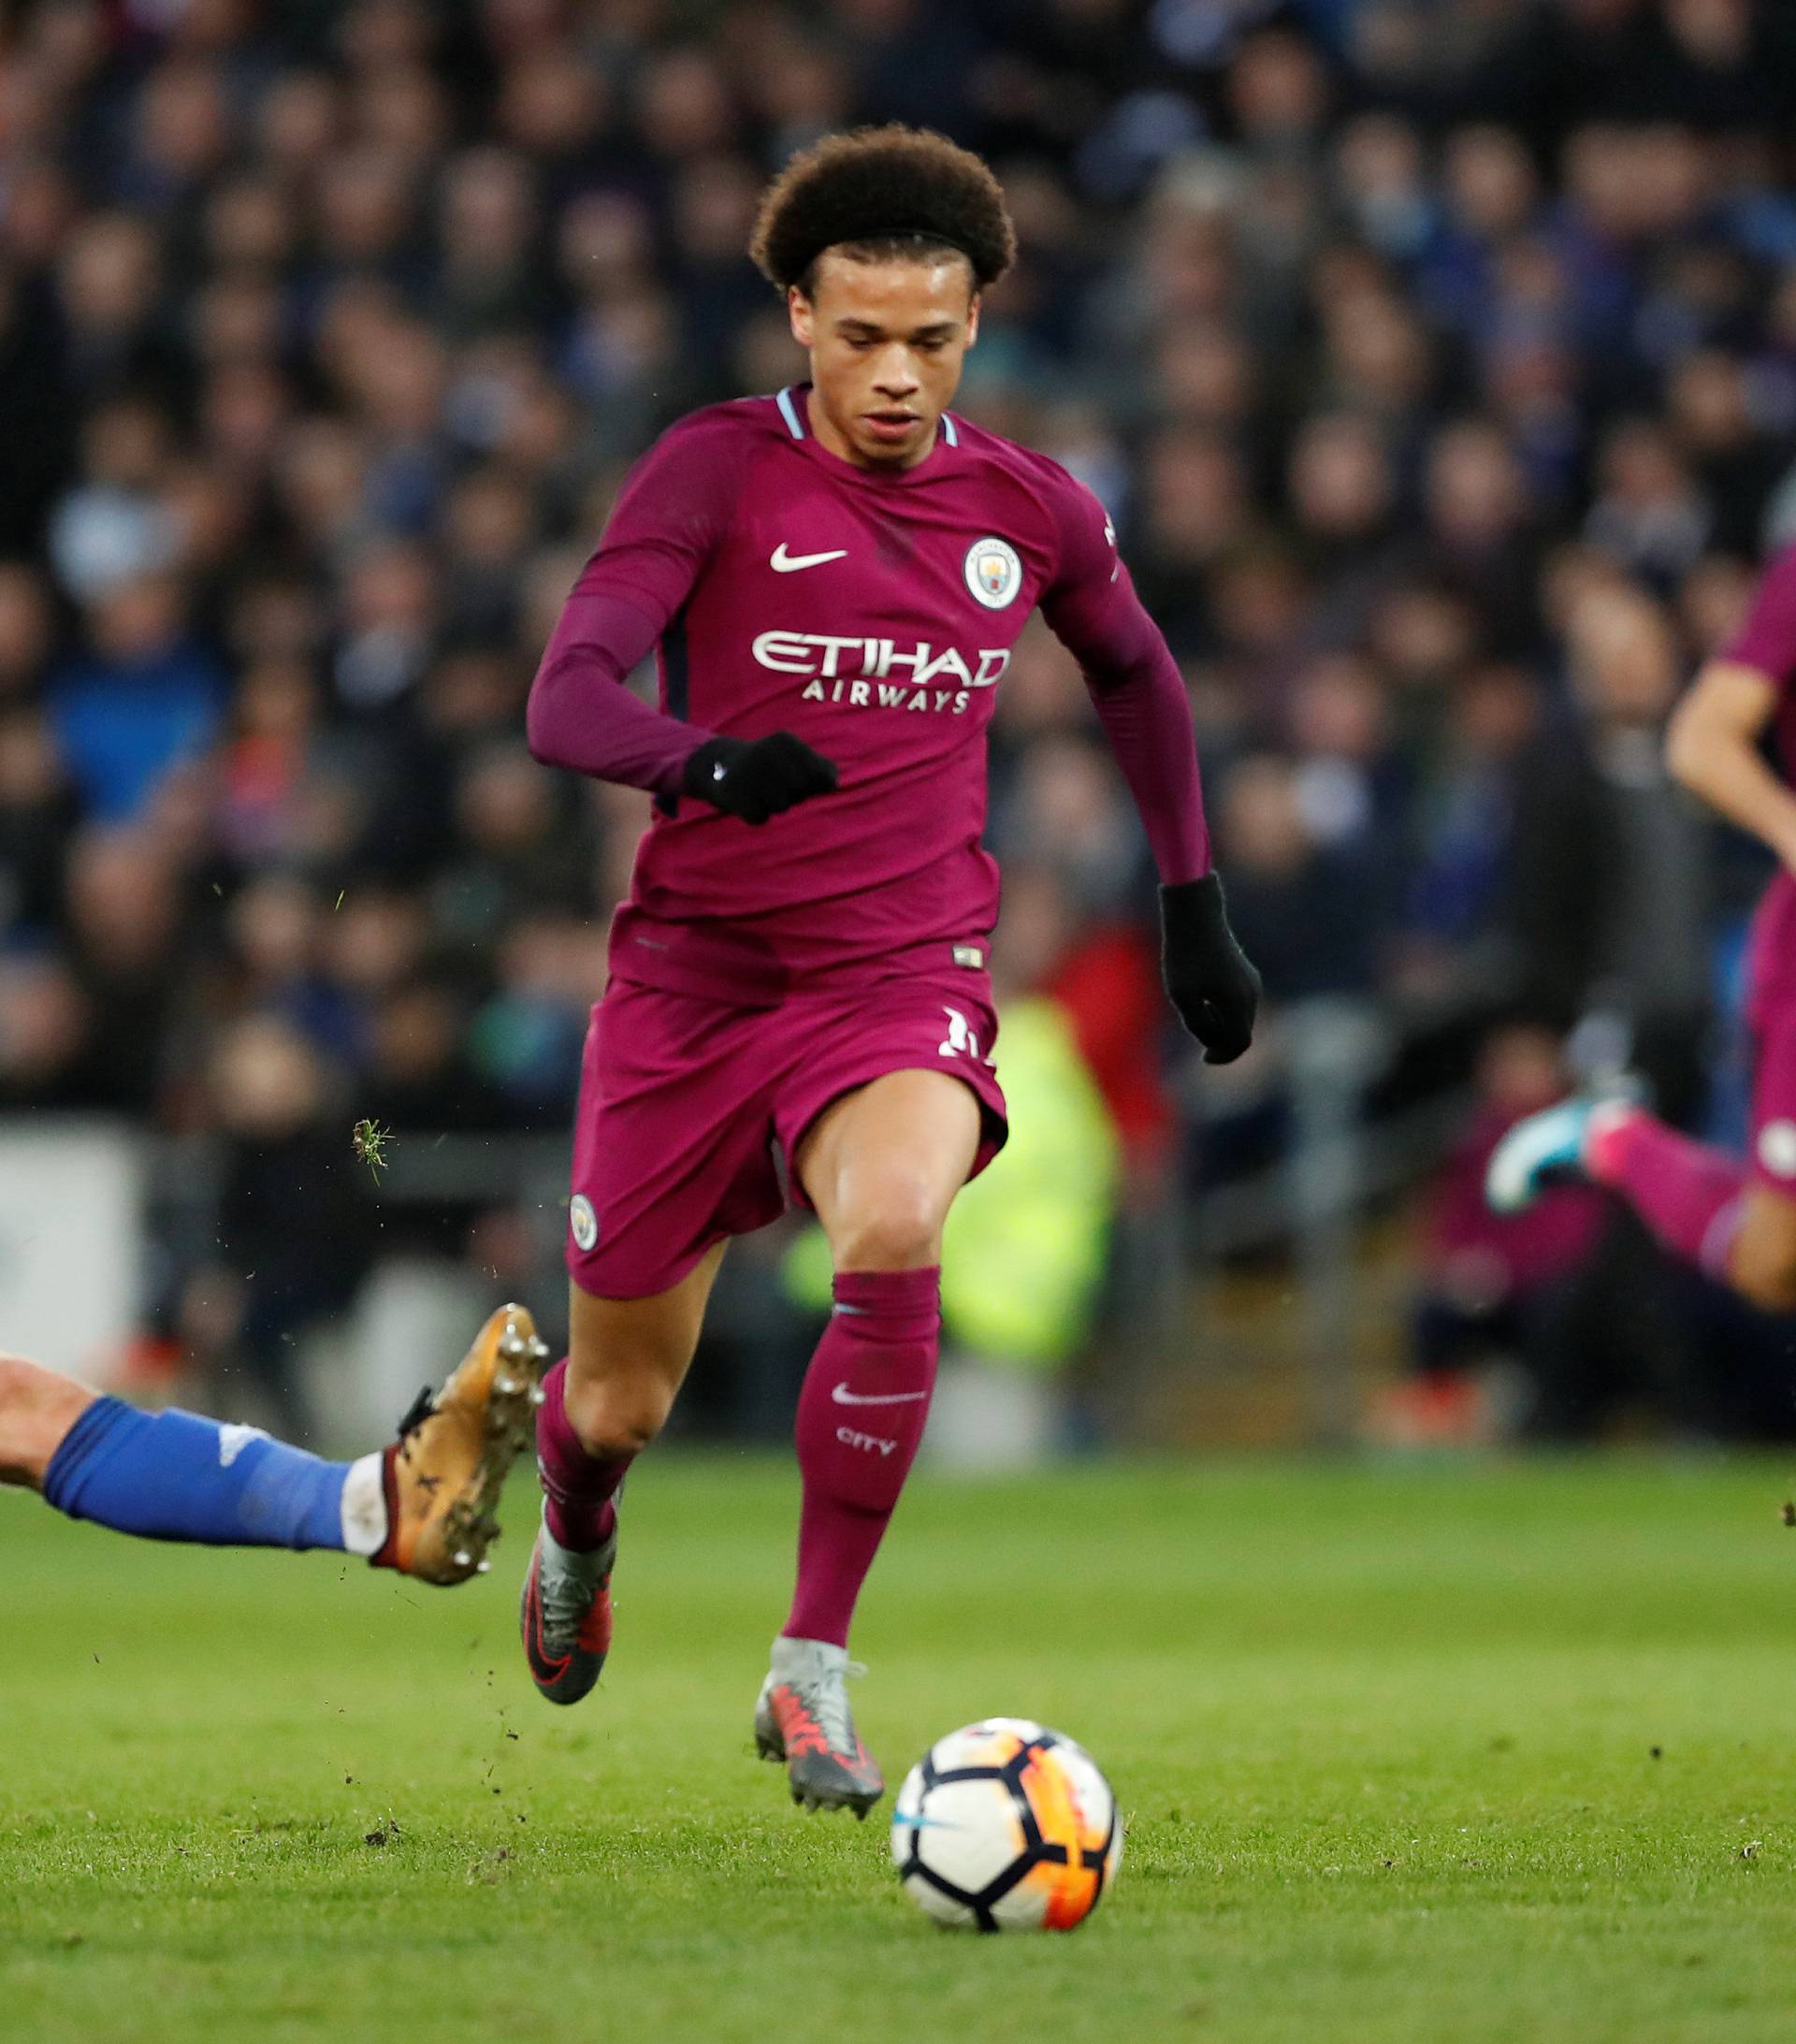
(896, 378)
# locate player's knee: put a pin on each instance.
(617, 1413)
(618, 1435)
(26, 1386)
(897, 1227)
(1764, 1274)
(37, 1407)
(20, 1381)
(1762, 1264)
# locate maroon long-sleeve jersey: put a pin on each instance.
(873, 614)
(1767, 641)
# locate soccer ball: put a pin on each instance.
(1006, 1826)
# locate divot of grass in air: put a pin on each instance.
(368, 1140)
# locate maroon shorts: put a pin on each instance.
(686, 1104)
(1773, 1094)
(1771, 1016)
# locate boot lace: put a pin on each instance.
(826, 1697)
(566, 1594)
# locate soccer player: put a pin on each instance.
(424, 1506)
(1732, 1218)
(834, 578)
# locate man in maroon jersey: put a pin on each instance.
(834, 578)
(1735, 1220)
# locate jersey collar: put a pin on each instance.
(793, 411)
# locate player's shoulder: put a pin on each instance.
(1069, 522)
(736, 428)
(1039, 473)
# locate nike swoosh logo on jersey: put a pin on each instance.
(783, 563)
(843, 1395)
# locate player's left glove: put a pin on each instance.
(1208, 976)
(757, 778)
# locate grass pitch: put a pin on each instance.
(1429, 1754)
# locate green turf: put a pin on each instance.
(1436, 1754)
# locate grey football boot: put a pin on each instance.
(803, 1717)
(564, 1616)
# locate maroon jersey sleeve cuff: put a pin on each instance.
(1135, 686)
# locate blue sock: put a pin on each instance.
(174, 1476)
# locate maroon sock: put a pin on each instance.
(860, 1417)
(579, 1488)
(1687, 1194)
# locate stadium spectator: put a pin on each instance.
(1438, 366)
(1493, 1315)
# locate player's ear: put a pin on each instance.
(799, 311)
(973, 320)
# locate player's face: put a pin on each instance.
(887, 341)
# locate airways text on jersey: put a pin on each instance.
(849, 669)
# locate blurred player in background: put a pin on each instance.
(1735, 1219)
(426, 1505)
(835, 579)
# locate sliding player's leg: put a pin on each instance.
(881, 1165)
(1688, 1194)
(603, 1405)
(424, 1506)
(1735, 1221)
(1734, 1218)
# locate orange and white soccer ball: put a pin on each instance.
(1006, 1826)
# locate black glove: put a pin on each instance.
(757, 778)
(1208, 978)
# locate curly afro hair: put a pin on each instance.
(878, 193)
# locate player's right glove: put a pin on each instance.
(757, 778)
(1208, 976)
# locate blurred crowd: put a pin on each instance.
(1437, 359)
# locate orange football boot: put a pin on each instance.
(444, 1474)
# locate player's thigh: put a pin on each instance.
(37, 1407)
(1762, 1261)
(882, 1164)
(628, 1357)
(672, 1144)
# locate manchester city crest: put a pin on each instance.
(994, 572)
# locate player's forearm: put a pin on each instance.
(1736, 783)
(581, 715)
(1712, 749)
(1135, 684)
(1146, 715)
